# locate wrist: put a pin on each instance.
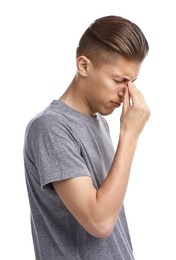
(127, 138)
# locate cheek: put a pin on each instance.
(103, 88)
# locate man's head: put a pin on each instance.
(112, 36)
(109, 56)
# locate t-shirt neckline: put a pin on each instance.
(75, 112)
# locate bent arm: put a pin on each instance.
(97, 210)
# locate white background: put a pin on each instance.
(37, 62)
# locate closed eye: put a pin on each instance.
(121, 81)
(124, 80)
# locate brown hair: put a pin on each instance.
(111, 35)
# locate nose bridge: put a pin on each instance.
(124, 83)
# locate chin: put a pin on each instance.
(106, 112)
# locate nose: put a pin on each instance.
(122, 89)
(121, 93)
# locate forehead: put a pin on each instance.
(122, 67)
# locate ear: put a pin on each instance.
(83, 64)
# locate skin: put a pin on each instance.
(102, 90)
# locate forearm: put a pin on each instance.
(111, 194)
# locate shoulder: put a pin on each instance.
(42, 121)
(50, 126)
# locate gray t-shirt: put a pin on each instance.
(61, 143)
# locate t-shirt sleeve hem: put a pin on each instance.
(46, 181)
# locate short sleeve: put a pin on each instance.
(57, 150)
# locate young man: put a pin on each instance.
(76, 181)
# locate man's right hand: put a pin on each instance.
(135, 112)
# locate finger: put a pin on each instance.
(126, 100)
(135, 95)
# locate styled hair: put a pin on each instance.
(112, 36)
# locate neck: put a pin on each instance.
(75, 97)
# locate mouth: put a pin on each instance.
(115, 104)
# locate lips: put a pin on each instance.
(115, 104)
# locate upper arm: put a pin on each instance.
(79, 196)
(84, 203)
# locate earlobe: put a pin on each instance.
(83, 64)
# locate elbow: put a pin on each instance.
(102, 230)
(103, 234)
